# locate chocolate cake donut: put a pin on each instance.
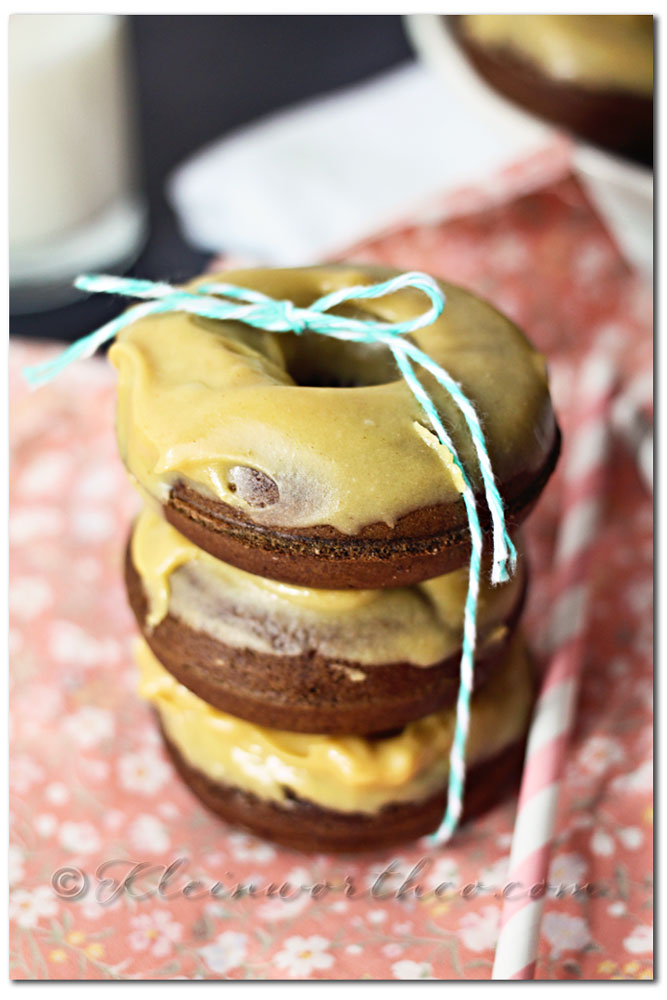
(305, 660)
(313, 624)
(591, 74)
(308, 460)
(334, 793)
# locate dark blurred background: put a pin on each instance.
(197, 78)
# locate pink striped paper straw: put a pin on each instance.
(584, 462)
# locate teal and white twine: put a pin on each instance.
(230, 302)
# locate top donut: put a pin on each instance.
(308, 460)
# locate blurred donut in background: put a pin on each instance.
(592, 74)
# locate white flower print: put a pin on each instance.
(599, 753)
(93, 908)
(214, 910)
(113, 819)
(247, 848)
(46, 824)
(631, 837)
(32, 523)
(640, 941)
(281, 909)
(567, 869)
(46, 474)
(400, 867)
(169, 811)
(444, 870)
(69, 643)
(15, 643)
(227, 952)
(57, 793)
(582, 822)
(99, 482)
(479, 931)
(144, 772)
(15, 864)
(147, 833)
(89, 726)
(29, 596)
(602, 844)
(80, 838)
(88, 569)
(617, 909)
(93, 525)
(299, 876)
(392, 950)
(565, 933)
(408, 969)
(509, 252)
(640, 780)
(639, 595)
(23, 774)
(590, 262)
(96, 770)
(495, 876)
(300, 956)
(27, 908)
(155, 932)
(39, 703)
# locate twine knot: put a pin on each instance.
(288, 317)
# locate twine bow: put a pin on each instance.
(230, 302)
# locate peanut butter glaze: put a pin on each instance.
(421, 625)
(348, 774)
(278, 427)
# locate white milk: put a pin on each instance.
(72, 204)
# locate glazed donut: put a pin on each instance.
(308, 460)
(341, 793)
(304, 660)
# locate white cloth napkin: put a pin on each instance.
(307, 183)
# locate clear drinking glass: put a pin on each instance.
(74, 202)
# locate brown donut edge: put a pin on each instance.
(616, 120)
(423, 544)
(308, 693)
(309, 828)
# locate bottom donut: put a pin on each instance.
(303, 826)
(342, 793)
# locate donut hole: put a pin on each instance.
(315, 360)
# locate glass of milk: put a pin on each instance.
(73, 198)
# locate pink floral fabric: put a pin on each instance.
(91, 785)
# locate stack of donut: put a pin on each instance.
(300, 566)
